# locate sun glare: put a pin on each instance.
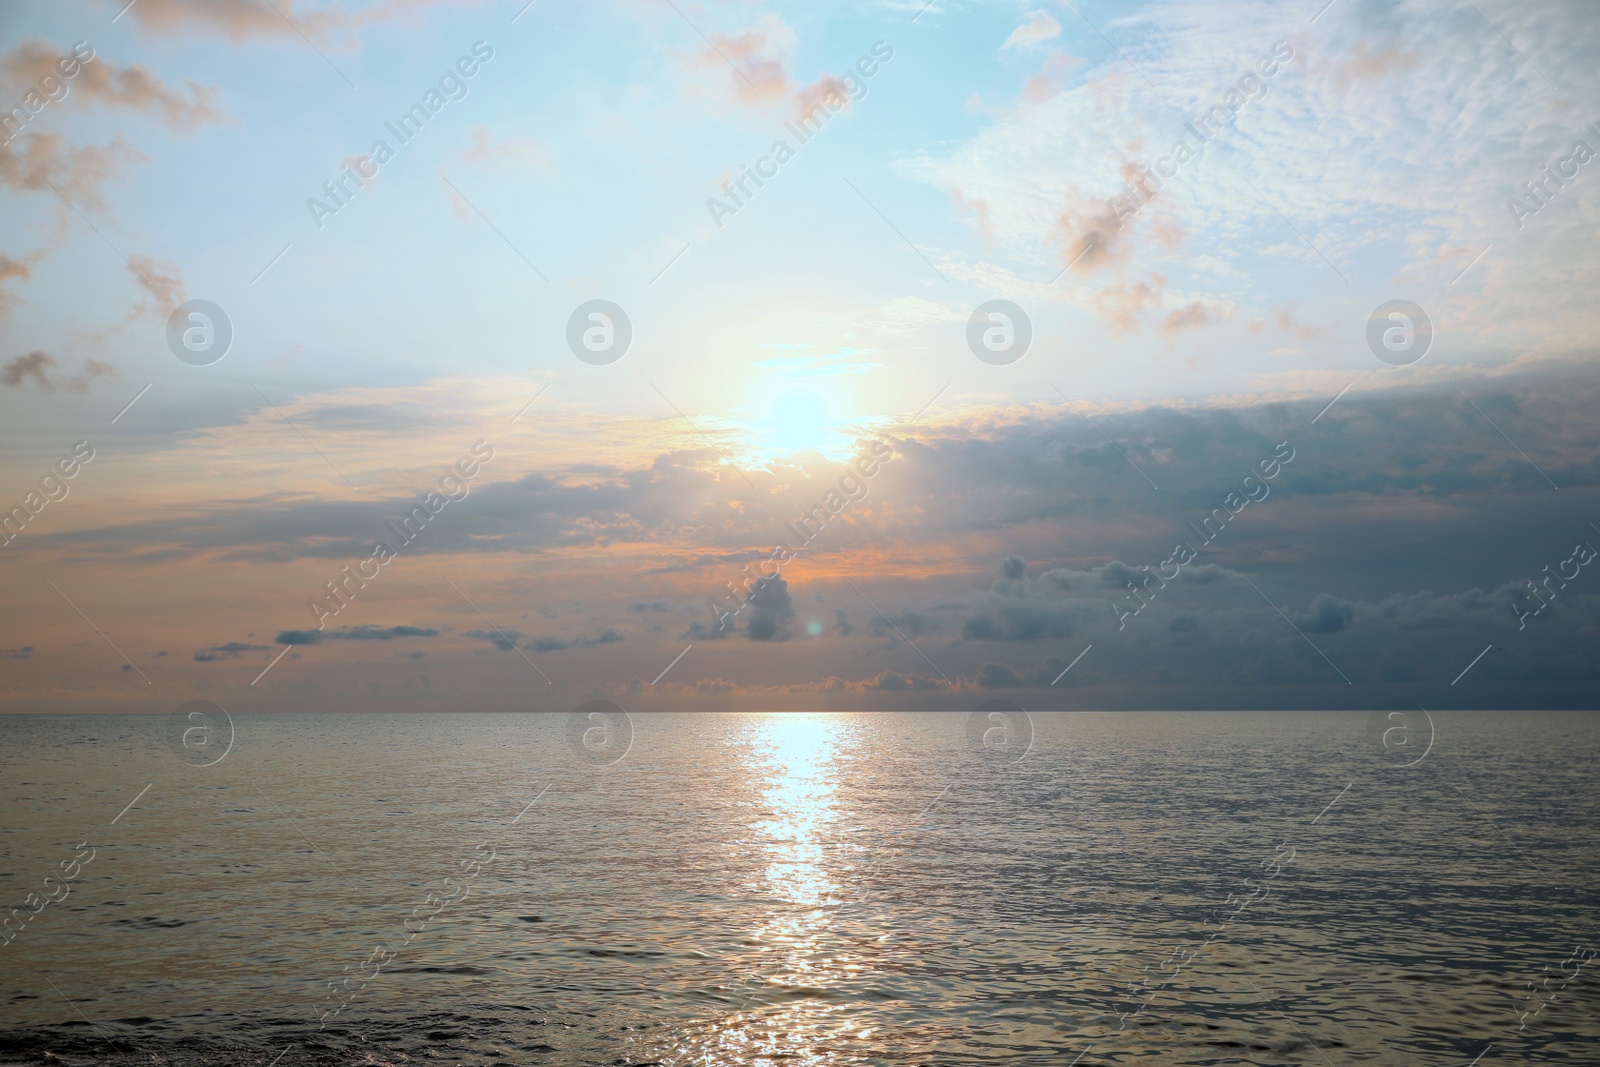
(796, 422)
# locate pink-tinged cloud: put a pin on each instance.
(240, 20)
(1099, 233)
(1288, 324)
(362, 167)
(1193, 315)
(485, 149)
(1368, 65)
(826, 96)
(100, 82)
(11, 267)
(1039, 28)
(44, 160)
(1052, 77)
(161, 281)
(759, 58)
(979, 209)
(1122, 306)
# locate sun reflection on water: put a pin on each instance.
(789, 1001)
(798, 757)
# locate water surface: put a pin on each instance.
(1197, 888)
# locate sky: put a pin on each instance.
(1165, 355)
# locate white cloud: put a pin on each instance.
(1039, 28)
(1393, 163)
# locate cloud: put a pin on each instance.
(1328, 615)
(1192, 316)
(1287, 322)
(1009, 532)
(520, 150)
(1051, 78)
(606, 636)
(998, 676)
(1368, 193)
(759, 58)
(827, 94)
(907, 622)
(770, 611)
(1039, 28)
(231, 650)
(540, 644)
(236, 19)
(78, 173)
(1123, 305)
(380, 633)
(162, 282)
(354, 633)
(101, 82)
(892, 682)
(358, 166)
(240, 20)
(1094, 234)
(36, 366)
(1368, 65)
(1020, 622)
(11, 267)
(502, 640)
(978, 208)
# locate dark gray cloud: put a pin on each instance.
(904, 621)
(770, 614)
(1020, 622)
(502, 640)
(381, 633)
(1328, 615)
(230, 650)
(354, 633)
(893, 682)
(606, 636)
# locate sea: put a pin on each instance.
(993, 887)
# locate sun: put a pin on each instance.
(798, 421)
